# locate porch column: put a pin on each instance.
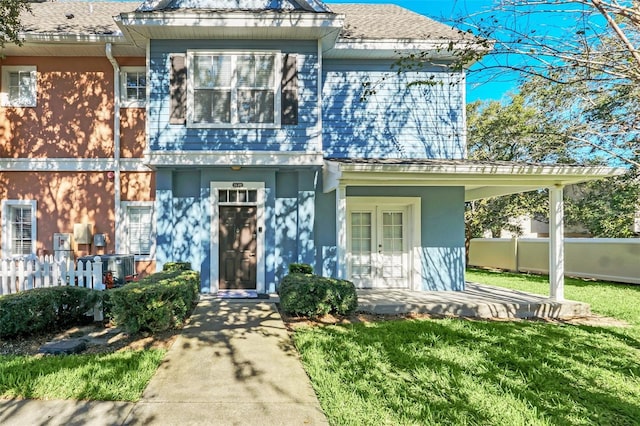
(556, 243)
(341, 232)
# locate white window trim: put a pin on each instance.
(6, 232)
(125, 211)
(4, 94)
(235, 125)
(124, 102)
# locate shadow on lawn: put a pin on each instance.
(451, 371)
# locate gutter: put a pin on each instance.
(116, 146)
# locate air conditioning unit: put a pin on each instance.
(121, 266)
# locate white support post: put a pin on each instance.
(556, 243)
(98, 313)
(341, 232)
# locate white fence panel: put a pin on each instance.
(25, 274)
(611, 259)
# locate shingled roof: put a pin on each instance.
(74, 17)
(362, 21)
(388, 21)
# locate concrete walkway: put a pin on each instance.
(233, 365)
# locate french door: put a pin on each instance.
(378, 246)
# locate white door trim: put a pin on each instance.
(215, 227)
(413, 232)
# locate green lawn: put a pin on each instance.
(459, 372)
(120, 376)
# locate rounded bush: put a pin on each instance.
(312, 295)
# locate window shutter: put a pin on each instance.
(289, 87)
(178, 89)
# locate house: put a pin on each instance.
(242, 136)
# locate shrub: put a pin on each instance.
(312, 295)
(300, 268)
(176, 266)
(45, 309)
(157, 302)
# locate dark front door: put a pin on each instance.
(237, 247)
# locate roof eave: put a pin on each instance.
(141, 26)
(479, 180)
(440, 49)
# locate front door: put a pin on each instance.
(238, 248)
(378, 247)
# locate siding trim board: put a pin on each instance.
(229, 158)
(71, 165)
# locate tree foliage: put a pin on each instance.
(10, 20)
(520, 131)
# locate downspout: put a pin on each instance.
(116, 146)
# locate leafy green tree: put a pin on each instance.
(521, 130)
(607, 208)
(10, 20)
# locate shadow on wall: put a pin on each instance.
(64, 198)
(73, 116)
(442, 268)
(394, 120)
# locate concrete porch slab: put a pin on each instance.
(476, 301)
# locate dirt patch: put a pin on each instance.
(100, 339)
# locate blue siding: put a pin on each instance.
(184, 218)
(397, 121)
(166, 137)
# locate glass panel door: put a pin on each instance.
(392, 248)
(378, 247)
(361, 248)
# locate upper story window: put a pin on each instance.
(18, 227)
(134, 87)
(234, 89)
(19, 88)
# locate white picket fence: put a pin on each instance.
(28, 273)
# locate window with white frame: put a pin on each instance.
(133, 92)
(233, 89)
(18, 227)
(140, 228)
(19, 86)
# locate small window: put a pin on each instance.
(234, 89)
(18, 228)
(133, 93)
(19, 86)
(140, 233)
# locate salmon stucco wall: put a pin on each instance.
(74, 112)
(132, 132)
(63, 199)
(138, 186)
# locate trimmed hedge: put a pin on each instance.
(157, 302)
(45, 309)
(300, 268)
(176, 266)
(313, 295)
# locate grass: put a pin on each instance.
(459, 372)
(120, 376)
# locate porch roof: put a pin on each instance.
(480, 179)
